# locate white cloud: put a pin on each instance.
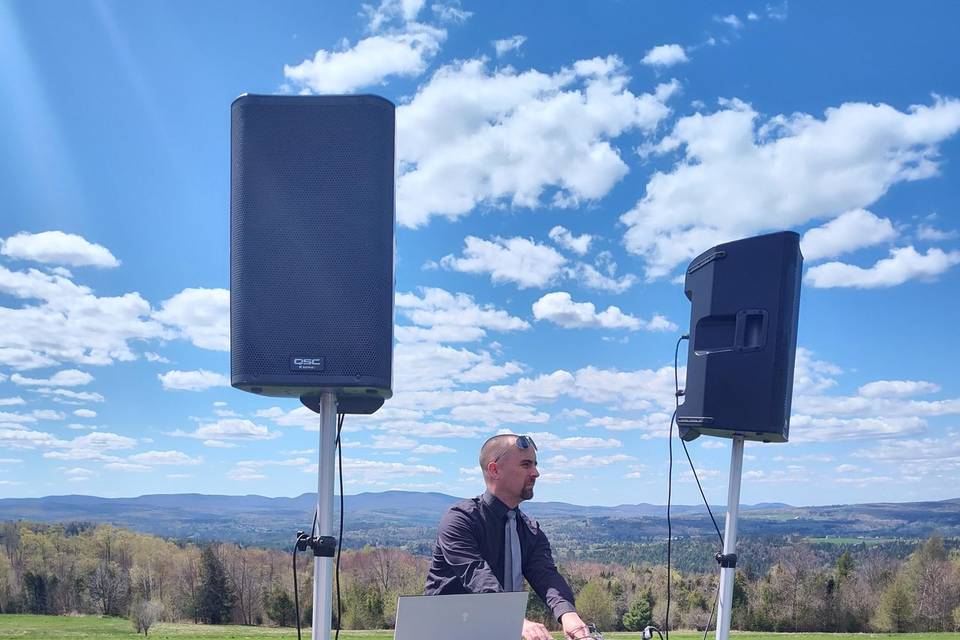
(471, 136)
(378, 472)
(202, 316)
(559, 308)
(450, 317)
(578, 244)
(93, 446)
(426, 365)
(665, 55)
(783, 173)
(588, 461)
(200, 380)
(450, 12)
(127, 466)
(805, 428)
(6, 416)
(229, 429)
(288, 462)
(431, 449)
(932, 234)
(154, 357)
(507, 45)
(712, 443)
(245, 474)
(85, 413)
(897, 388)
(71, 397)
(906, 449)
(13, 436)
(66, 378)
(903, 264)
(405, 52)
(82, 427)
(57, 247)
(503, 413)
(549, 442)
(655, 424)
(103, 441)
(77, 473)
(777, 11)
(9, 402)
(849, 468)
(847, 232)
(390, 11)
(165, 458)
(730, 20)
(591, 277)
(70, 324)
(48, 414)
(517, 260)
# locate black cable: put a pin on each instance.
(677, 394)
(676, 398)
(715, 526)
(666, 623)
(296, 590)
(340, 537)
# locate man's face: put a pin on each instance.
(517, 473)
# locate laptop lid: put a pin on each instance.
(466, 616)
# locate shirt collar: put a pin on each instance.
(495, 504)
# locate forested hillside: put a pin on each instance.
(61, 569)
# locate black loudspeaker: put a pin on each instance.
(311, 248)
(743, 339)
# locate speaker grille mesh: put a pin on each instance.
(312, 214)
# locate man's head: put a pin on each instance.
(509, 465)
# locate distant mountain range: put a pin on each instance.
(408, 519)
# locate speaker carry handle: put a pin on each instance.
(751, 330)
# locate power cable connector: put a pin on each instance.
(322, 546)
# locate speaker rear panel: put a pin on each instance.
(312, 219)
(743, 330)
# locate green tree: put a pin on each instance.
(895, 612)
(844, 566)
(595, 605)
(215, 598)
(278, 606)
(640, 614)
(35, 592)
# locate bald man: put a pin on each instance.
(487, 545)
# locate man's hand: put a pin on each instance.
(535, 631)
(573, 626)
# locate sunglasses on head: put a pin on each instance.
(522, 443)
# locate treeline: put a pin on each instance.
(63, 569)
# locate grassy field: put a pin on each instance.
(23, 627)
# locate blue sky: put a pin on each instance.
(558, 167)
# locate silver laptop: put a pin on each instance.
(469, 616)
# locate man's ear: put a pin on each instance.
(492, 470)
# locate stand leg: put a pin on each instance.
(725, 604)
(323, 567)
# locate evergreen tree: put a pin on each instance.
(215, 597)
(844, 566)
(640, 614)
(278, 606)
